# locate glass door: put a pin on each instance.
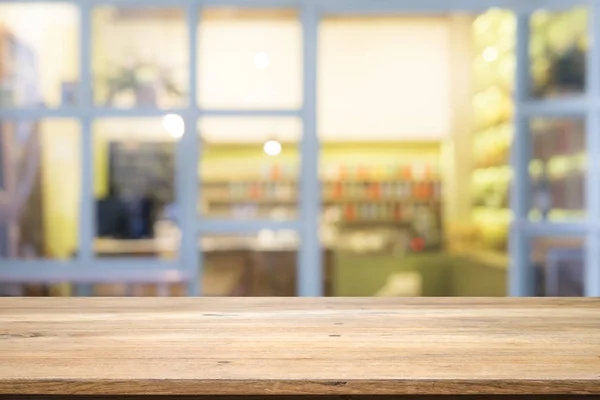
(246, 121)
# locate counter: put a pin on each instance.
(232, 266)
(167, 247)
(121, 347)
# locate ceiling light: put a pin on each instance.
(261, 60)
(174, 124)
(272, 148)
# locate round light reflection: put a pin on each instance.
(272, 148)
(490, 54)
(261, 60)
(174, 124)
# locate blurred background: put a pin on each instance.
(228, 151)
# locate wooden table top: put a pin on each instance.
(294, 346)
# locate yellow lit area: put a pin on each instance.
(249, 167)
(61, 157)
(42, 186)
(557, 167)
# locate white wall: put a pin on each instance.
(384, 79)
(228, 76)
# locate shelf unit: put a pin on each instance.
(375, 191)
(493, 71)
(368, 198)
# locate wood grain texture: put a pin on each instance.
(299, 346)
(301, 397)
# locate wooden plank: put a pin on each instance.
(301, 397)
(299, 346)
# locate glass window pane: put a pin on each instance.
(374, 81)
(140, 57)
(558, 51)
(558, 169)
(558, 263)
(366, 190)
(382, 219)
(249, 167)
(39, 213)
(39, 54)
(134, 167)
(250, 59)
(384, 108)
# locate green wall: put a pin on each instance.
(442, 274)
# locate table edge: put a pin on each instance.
(300, 387)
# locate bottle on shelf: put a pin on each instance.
(397, 212)
(349, 212)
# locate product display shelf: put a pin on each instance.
(493, 72)
(365, 199)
